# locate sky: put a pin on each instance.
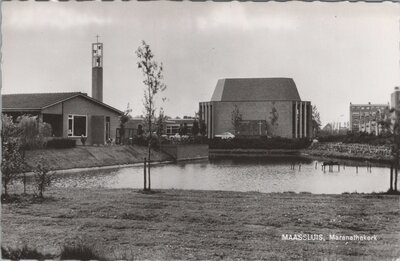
(336, 53)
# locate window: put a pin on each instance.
(172, 130)
(77, 125)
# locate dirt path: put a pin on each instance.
(176, 224)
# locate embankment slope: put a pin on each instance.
(92, 156)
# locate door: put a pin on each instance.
(98, 130)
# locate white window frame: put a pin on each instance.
(71, 116)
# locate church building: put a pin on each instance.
(264, 107)
(71, 114)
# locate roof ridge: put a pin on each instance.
(256, 78)
(43, 93)
(256, 89)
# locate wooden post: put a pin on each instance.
(24, 183)
(148, 165)
(299, 167)
(316, 164)
(395, 178)
(144, 174)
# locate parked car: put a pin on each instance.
(225, 135)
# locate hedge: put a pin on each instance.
(259, 143)
(61, 143)
(361, 138)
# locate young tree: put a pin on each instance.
(140, 130)
(195, 128)
(160, 124)
(395, 124)
(153, 82)
(236, 119)
(42, 176)
(12, 154)
(203, 128)
(315, 120)
(124, 118)
(184, 129)
(12, 163)
(273, 123)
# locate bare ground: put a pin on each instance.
(177, 224)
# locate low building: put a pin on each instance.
(70, 114)
(173, 126)
(267, 106)
(366, 117)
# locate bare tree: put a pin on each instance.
(236, 119)
(395, 123)
(153, 82)
(315, 120)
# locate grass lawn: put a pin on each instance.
(178, 224)
(93, 156)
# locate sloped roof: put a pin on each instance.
(35, 101)
(256, 89)
(39, 101)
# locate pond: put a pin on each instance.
(277, 174)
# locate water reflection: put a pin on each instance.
(274, 174)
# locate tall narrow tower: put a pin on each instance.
(97, 71)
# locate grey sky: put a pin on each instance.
(337, 53)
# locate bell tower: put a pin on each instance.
(97, 70)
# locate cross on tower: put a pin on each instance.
(97, 37)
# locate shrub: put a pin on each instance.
(259, 143)
(144, 141)
(34, 132)
(79, 253)
(184, 140)
(61, 143)
(24, 253)
(12, 162)
(362, 138)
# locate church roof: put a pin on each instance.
(40, 101)
(256, 89)
(34, 101)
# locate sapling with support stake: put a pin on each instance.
(153, 82)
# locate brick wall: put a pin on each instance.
(255, 110)
(82, 106)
